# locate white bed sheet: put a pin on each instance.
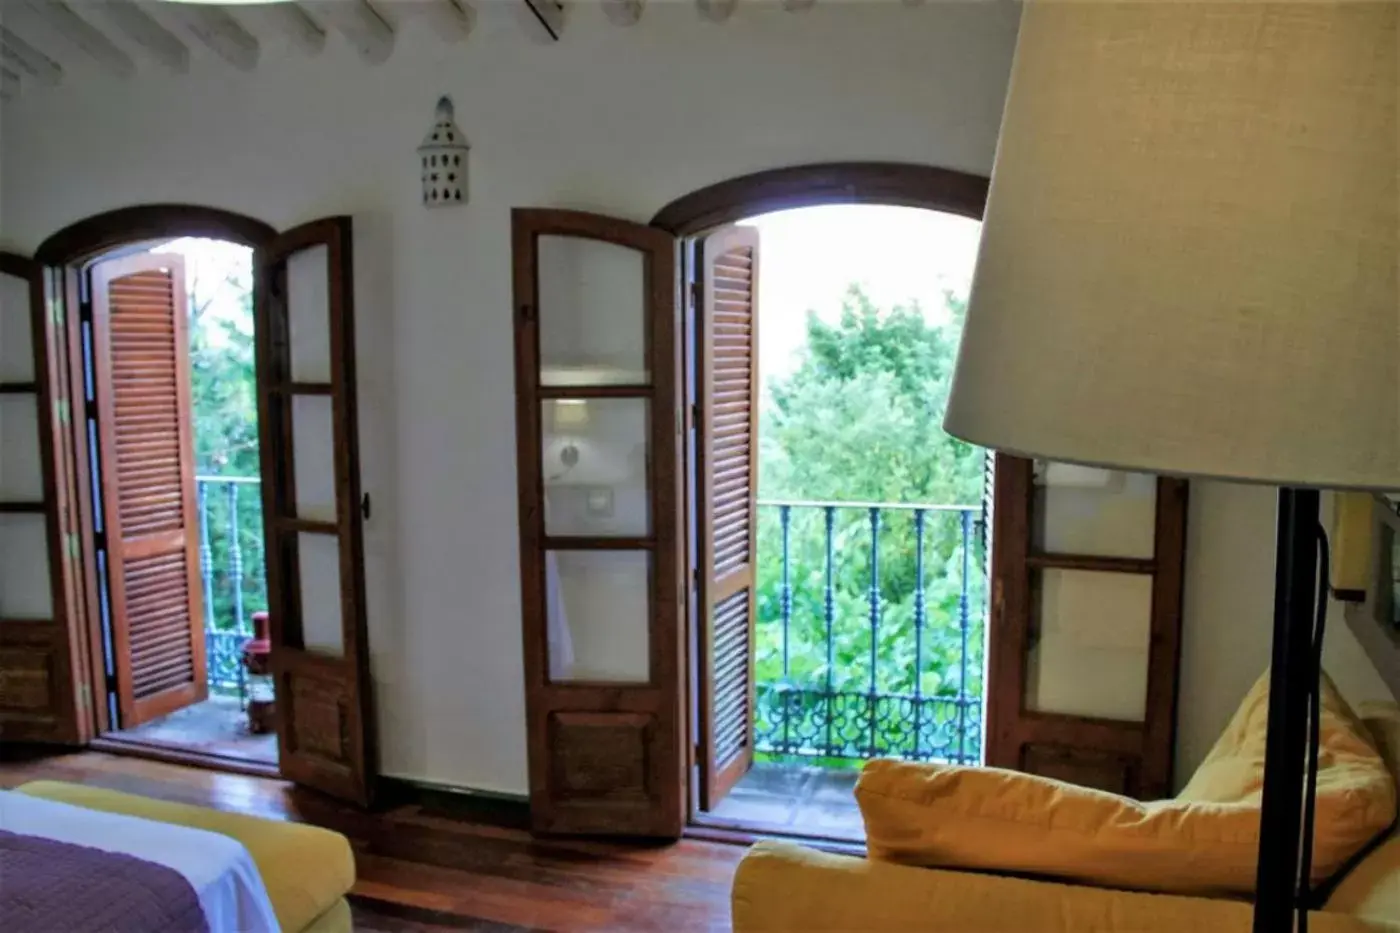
(219, 868)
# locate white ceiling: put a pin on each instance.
(55, 41)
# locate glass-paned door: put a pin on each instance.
(598, 437)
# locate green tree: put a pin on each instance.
(224, 401)
(860, 421)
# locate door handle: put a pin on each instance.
(364, 506)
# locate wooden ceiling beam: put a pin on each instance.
(161, 44)
(543, 18)
(24, 57)
(623, 12)
(361, 24)
(716, 11)
(219, 31)
(292, 20)
(454, 19)
(59, 17)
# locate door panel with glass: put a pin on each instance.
(313, 509)
(597, 443)
(1086, 622)
(43, 696)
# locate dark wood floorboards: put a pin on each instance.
(426, 869)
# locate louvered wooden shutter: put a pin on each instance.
(141, 361)
(729, 503)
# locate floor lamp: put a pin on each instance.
(1189, 267)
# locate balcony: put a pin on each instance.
(231, 569)
(869, 643)
(233, 586)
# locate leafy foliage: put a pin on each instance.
(224, 402)
(860, 421)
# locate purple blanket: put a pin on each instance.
(48, 886)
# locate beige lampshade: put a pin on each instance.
(1189, 257)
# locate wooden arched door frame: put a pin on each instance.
(690, 219)
(893, 184)
(66, 255)
(86, 239)
(325, 712)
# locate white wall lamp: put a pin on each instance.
(442, 160)
(570, 414)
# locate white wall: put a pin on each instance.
(615, 120)
(1228, 616)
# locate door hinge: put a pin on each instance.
(694, 413)
(111, 683)
(71, 543)
(61, 408)
(99, 540)
(56, 311)
(695, 294)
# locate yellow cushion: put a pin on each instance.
(305, 869)
(1372, 888)
(1204, 842)
(995, 820)
(783, 888)
(338, 919)
(1353, 781)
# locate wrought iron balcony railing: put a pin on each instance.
(870, 631)
(231, 570)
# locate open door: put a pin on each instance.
(727, 441)
(598, 443)
(149, 527)
(1086, 625)
(312, 509)
(44, 695)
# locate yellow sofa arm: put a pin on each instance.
(785, 888)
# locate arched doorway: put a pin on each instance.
(145, 578)
(851, 622)
(638, 425)
(173, 504)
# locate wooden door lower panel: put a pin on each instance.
(1104, 771)
(36, 685)
(320, 719)
(611, 772)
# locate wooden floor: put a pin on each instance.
(426, 869)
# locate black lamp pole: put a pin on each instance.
(1292, 679)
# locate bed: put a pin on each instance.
(73, 868)
(305, 871)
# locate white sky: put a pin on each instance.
(219, 273)
(810, 255)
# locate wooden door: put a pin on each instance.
(43, 692)
(312, 509)
(149, 525)
(1086, 625)
(598, 436)
(727, 441)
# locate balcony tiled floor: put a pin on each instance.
(215, 727)
(794, 798)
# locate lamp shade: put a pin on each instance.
(1189, 255)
